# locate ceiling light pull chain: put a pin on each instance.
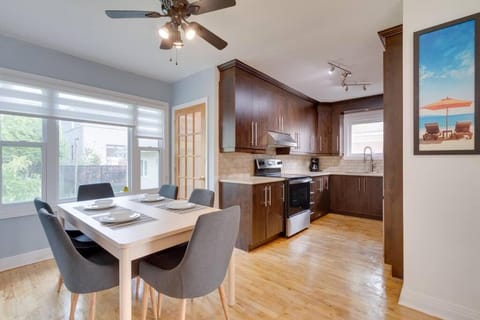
(176, 56)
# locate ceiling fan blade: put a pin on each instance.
(204, 6)
(166, 44)
(209, 36)
(122, 14)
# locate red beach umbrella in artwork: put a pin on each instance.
(447, 103)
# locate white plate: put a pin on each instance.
(180, 205)
(159, 198)
(99, 206)
(114, 219)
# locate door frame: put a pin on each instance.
(203, 100)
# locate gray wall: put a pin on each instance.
(203, 84)
(24, 234)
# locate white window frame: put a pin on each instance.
(354, 118)
(50, 149)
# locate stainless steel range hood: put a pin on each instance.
(280, 140)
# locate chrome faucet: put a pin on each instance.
(371, 157)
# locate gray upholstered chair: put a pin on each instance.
(202, 197)
(77, 238)
(168, 191)
(198, 268)
(81, 275)
(95, 191)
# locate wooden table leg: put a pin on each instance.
(125, 275)
(231, 280)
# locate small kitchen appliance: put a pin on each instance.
(314, 164)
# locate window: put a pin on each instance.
(363, 129)
(91, 153)
(21, 152)
(61, 135)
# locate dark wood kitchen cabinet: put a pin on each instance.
(252, 103)
(319, 197)
(324, 129)
(261, 208)
(357, 195)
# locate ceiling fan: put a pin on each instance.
(178, 11)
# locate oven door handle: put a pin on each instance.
(299, 181)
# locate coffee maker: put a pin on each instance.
(314, 164)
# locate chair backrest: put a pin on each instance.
(202, 197)
(168, 191)
(462, 126)
(95, 191)
(208, 254)
(39, 204)
(68, 260)
(432, 128)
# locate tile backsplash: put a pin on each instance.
(238, 165)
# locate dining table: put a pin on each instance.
(157, 227)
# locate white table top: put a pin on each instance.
(167, 223)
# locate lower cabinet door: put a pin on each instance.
(259, 214)
(276, 198)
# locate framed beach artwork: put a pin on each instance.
(446, 62)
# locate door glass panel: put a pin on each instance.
(199, 167)
(189, 123)
(181, 167)
(198, 122)
(181, 126)
(190, 172)
(198, 143)
(181, 147)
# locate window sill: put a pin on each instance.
(13, 215)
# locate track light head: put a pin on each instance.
(332, 69)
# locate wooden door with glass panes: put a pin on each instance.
(190, 149)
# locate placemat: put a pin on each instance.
(142, 219)
(98, 211)
(181, 211)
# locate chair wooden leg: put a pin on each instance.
(144, 300)
(159, 305)
(183, 309)
(137, 286)
(152, 299)
(222, 299)
(59, 283)
(73, 305)
(91, 311)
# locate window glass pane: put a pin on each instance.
(149, 169)
(148, 143)
(18, 128)
(21, 174)
(91, 153)
(367, 134)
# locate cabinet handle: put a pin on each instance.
(270, 195)
(256, 133)
(326, 183)
(359, 185)
(251, 140)
(338, 145)
(321, 184)
(282, 124)
(283, 193)
(364, 184)
(265, 195)
(321, 144)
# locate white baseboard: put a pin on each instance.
(436, 307)
(25, 259)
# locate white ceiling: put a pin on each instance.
(288, 40)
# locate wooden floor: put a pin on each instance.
(333, 270)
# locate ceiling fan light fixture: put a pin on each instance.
(177, 39)
(164, 32)
(190, 33)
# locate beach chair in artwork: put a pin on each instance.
(462, 129)
(432, 131)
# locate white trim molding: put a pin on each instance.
(436, 307)
(25, 259)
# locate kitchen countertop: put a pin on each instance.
(260, 180)
(251, 180)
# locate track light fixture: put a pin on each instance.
(344, 76)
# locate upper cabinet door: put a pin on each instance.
(324, 129)
(244, 112)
